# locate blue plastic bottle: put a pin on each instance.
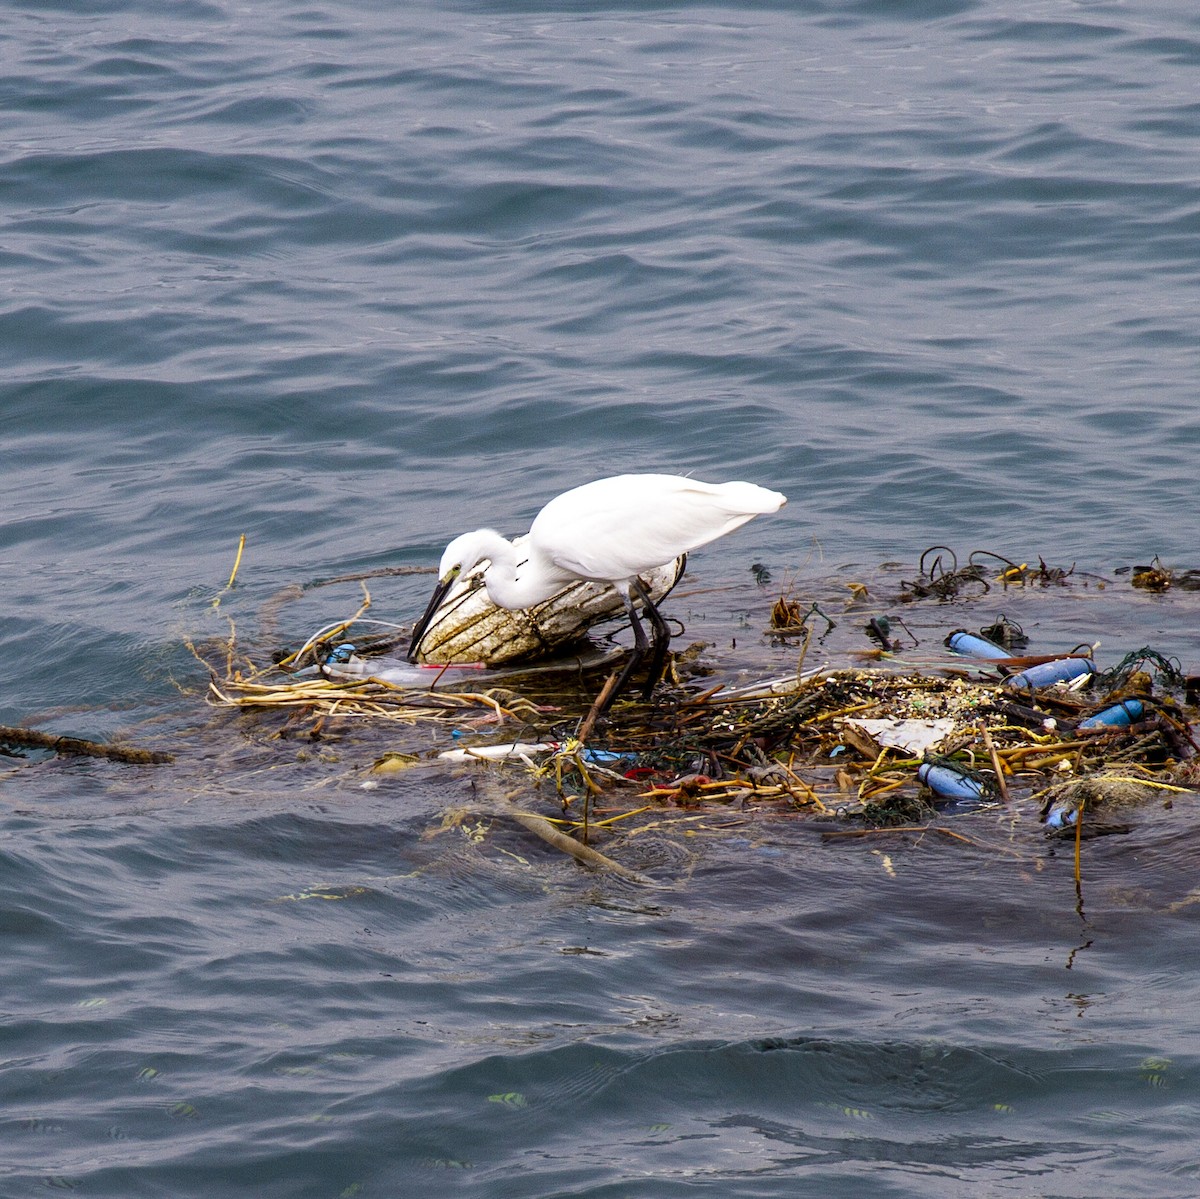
(1046, 674)
(1126, 712)
(951, 783)
(974, 646)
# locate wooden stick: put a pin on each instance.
(803, 652)
(598, 705)
(1078, 840)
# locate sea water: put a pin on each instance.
(350, 278)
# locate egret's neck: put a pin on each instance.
(518, 578)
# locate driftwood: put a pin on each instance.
(468, 627)
(36, 739)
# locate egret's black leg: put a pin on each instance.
(662, 637)
(640, 645)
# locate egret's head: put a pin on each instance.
(465, 553)
(461, 557)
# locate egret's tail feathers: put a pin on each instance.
(750, 498)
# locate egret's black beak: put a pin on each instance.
(435, 602)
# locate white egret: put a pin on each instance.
(608, 531)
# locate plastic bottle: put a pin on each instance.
(953, 784)
(974, 646)
(1046, 674)
(1126, 712)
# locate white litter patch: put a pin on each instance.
(912, 736)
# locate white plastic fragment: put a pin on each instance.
(912, 736)
(498, 753)
(397, 673)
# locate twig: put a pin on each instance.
(329, 632)
(232, 574)
(803, 651)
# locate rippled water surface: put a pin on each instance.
(347, 279)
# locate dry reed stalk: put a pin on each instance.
(997, 765)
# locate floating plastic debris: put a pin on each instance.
(527, 749)
(1046, 674)
(1124, 713)
(912, 736)
(500, 753)
(393, 671)
(847, 744)
(974, 646)
(1061, 815)
(1113, 797)
(950, 782)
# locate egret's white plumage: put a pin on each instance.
(608, 531)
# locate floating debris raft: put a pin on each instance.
(898, 743)
(875, 745)
(878, 745)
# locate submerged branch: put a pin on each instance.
(36, 739)
(541, 827)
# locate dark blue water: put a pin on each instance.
(350, 278)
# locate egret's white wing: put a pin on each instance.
(622, 526)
